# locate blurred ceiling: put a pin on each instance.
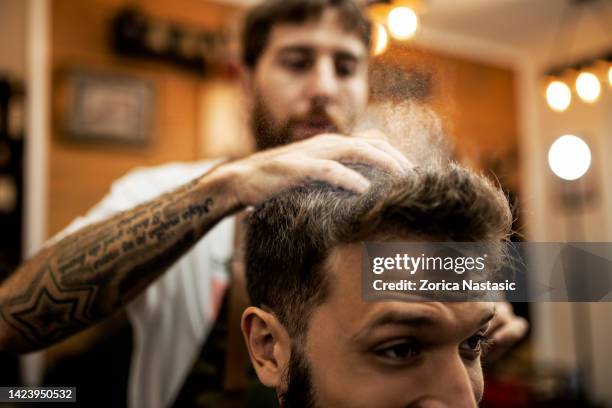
(521, 24)
(509, 22)
(505, 31)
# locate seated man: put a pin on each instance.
(310, 334)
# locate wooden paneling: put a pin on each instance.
(80, 175)
(476, 101)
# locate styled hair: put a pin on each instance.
(262, 18)
(291, 234)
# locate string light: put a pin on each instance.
(588, 87)
(402, 22)
(558, 96)
(569, 157)
(381, 39)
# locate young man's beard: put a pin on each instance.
(268, 133)
(299, 392)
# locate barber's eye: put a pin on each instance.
(297, 63)
(399, 351)
(345, 67)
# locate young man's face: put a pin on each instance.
(310, 79)
(387, 354)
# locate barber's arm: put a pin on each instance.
(95, 271)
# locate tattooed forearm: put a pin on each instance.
(91, 274)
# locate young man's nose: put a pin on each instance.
(451, 386)
(323, 84)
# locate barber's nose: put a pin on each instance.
(324, 81)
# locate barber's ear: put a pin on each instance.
(268, 344)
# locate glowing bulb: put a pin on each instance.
(558, 96)
(402, 22)
(610, 75)
(588, 87)
(569, 157)
(381, 39)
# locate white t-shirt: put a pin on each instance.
(173, 317)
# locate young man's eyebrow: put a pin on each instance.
(405, 319)
(395, 318)
(487, 317)
(415, 320)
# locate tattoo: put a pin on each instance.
(46, 312)
(139, 273)
(90, 274)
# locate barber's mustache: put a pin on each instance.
(318, 117)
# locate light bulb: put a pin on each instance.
(403, 22)
(558, 96)
(588, 87)
(610, 75)
(569, 157)
(381, 39)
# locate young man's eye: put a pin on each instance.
(477, 344)
(399, 351)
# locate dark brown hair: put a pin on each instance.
(262, 18)
(290, 235)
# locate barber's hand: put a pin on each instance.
(505, 330)
(262, 174)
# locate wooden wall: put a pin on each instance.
(13, 38)
(80, 175)
(477, 102)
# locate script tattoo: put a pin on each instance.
(90, 274)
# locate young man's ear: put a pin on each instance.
(268, 344)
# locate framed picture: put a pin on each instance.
(109, 108)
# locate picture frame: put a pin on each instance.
(109, 108)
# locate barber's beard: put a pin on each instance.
(268, 133)
(299, 392)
